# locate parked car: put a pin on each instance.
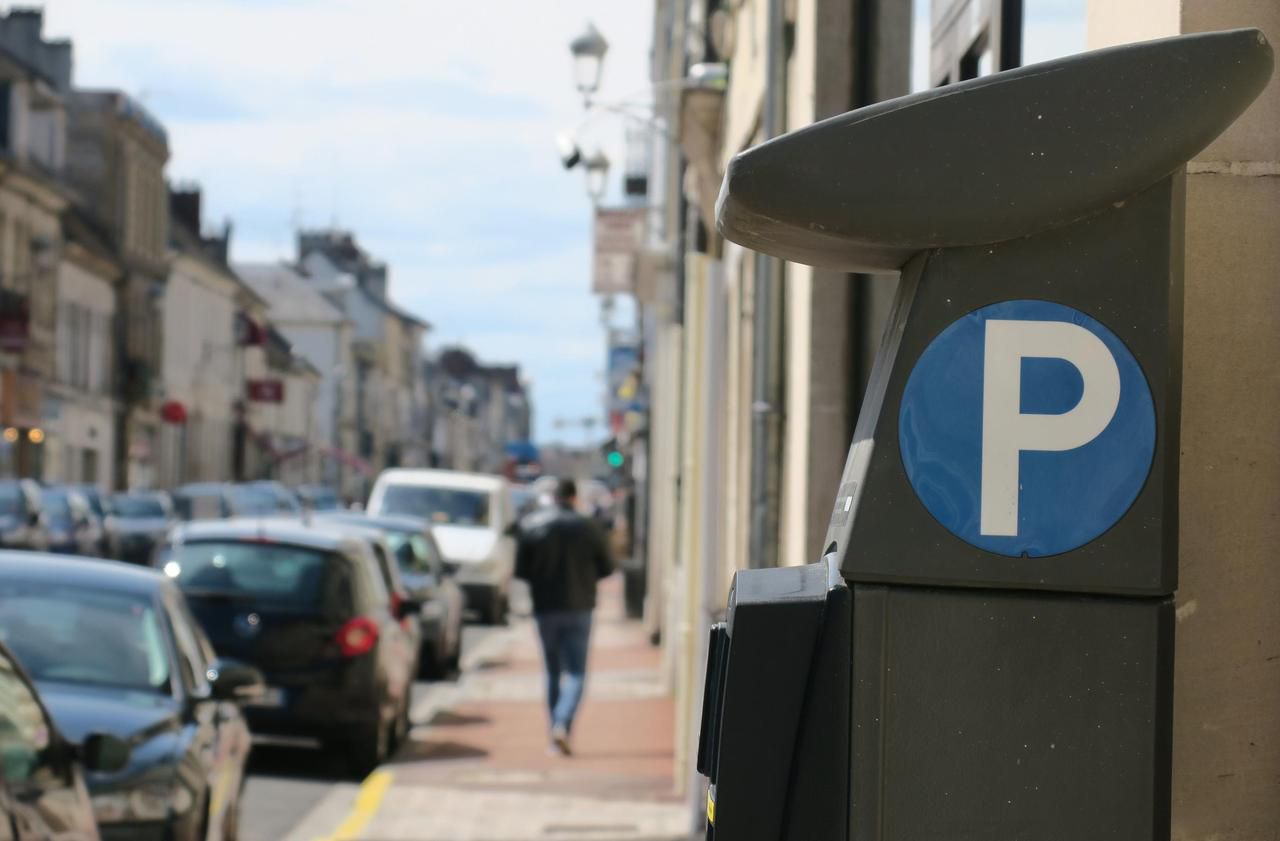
(113, 649)
(307, 605)
(471, 516)
(427, 579)
(318, 497)
(98, 509)
(203, 501)
(136, 524)
(42, 789)
(409, 635)
(73, 529)
(282, 500)
(249, 499)
(22, 521)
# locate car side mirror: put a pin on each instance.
(33, 518)
(104, 752)
(408, 607)
(233, 680)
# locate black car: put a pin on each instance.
(318, 497)
(73, 529)
(42, 789)
(425, 578)
(114, 648)
(22, 520)
(307, 605)
(136, 524)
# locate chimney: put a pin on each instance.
(58, 61)
(184, 204)
(374, 278)
(22, 30)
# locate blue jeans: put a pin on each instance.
(565, 636)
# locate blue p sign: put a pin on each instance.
(1027, 428)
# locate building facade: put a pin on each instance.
(116, 157)
(321, 334)
(80, 405)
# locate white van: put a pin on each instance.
(469, 514)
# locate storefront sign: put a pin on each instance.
(618, 235)
(265, 391)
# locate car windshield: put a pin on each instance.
(283, 575)
(320, 499)
(198, 504)
(57, 507)
(253, 501)
(442, 506)
(413, 553)
(82, 635)
(137, 507)
(94, 499)
(523, 500)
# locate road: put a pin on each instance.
(291, 785)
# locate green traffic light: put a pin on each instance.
(614, 458)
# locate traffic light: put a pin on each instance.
(614, 456)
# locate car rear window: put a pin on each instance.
(442, 506)
(281, 574)
(137, 507)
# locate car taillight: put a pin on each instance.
(357, 637)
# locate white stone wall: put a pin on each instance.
(200, 367)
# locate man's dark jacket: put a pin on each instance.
(562, 555)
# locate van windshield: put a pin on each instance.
(441, 506)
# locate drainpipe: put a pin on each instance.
(767, 348)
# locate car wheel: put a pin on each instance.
(369, 745)
(403, 723)
(430, 664)
(496, 609)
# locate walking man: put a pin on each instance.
(562, 554)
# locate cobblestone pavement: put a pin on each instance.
(477, 766)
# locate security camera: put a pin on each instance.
(570, 154)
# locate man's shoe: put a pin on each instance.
(560, 740)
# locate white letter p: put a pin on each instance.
(1007, 432)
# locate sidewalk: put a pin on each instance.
(479, 770)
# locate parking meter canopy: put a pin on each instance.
(990, 159)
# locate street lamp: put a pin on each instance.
(588, 51)
(597, 167)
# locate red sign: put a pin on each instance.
(15, 330)
(173, 412)
(265, 391)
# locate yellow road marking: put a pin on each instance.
(368, 799)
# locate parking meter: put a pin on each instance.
(986, 651)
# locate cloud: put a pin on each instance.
(426, 127)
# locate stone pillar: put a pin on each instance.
(1226, 772)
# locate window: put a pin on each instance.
(287, 577)
(373, 592)
(192, 662)
(89, 466)
(442, 506)
(77, 635)
(24, 730)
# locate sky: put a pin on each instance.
(426, 127)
